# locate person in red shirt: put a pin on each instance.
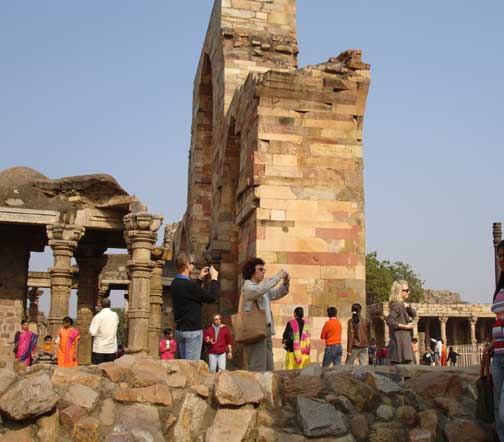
(218, 339)
(331, 334)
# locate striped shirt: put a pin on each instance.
(498, 326)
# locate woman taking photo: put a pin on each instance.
(400, 324)
(498, 347)
(296, 341)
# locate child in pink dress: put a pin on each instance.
(167, 346)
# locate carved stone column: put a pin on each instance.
(386, 336)
(90, 260)
(33, 295)
(141, 236)
(497, 238)
(443, 320)
(156, 300)
(63, 239)
(475, 355)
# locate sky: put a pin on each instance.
(106, 87)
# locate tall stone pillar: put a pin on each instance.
(443, 320)
(63, 239)
(497, 238)
(90, 260)
(156, 300)
(475, 355)
(33, 295)
(140, 236)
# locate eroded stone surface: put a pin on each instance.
(82, 396)
(158, 394)
(237, 388)
(190, 419)
(30, 397)
(231, 425)
(320, 419)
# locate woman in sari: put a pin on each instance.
(296, 340)
(25, 342)
(68, 344)
(444, 355)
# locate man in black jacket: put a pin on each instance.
(188, 297)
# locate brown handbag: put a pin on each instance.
(249, 327)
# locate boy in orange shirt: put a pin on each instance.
(331, 333)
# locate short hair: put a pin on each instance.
(167, 331)
(356, 308)
(396, 290)
(217, 314)
(299, 312)
(182, 261)
(24, 321)
(332, 312)
(68, 319)
(105, 302)
(249, 267)
(48, 338)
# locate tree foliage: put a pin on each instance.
(380, 275)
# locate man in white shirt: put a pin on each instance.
(104, 330)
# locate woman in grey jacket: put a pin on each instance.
(400, 322)
(258, 292)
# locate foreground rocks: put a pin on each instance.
(143, 399)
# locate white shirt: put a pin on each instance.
(104, 329)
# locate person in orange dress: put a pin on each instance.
(68, 344)
(443, 355)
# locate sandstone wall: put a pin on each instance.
(13, 276)
(276, 163)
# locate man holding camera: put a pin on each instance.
(188, 297)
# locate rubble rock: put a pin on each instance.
(7, 378)
(48, 428)
(420, 435)
(158, 394)
(88, 429)
(306, 386)
(428, 420)
(107, 413)
(385, 412)
(266, 434)
(364, 397)
(139, 421)
(360, 426)
(320, 419)
(81, 395)
(201, 390)
(113, 371)
(30, 397)
(192, 371)
(378, 381)
(231, 425)
(407, 414)
(70, 376)
(237, 388)
(270, 386)
(191, 418)
(434, 384)
(460, 430)
(387, 432)
(342, 403)
(70, 415)
(450, 406)
(23, 435)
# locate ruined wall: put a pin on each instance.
(282, 177)
(13, 290)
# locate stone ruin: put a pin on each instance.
(78, 217)
(276, 164)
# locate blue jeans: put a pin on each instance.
(332, 353)
(498, 380)
(189, 344)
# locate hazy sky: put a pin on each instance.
(106, 87)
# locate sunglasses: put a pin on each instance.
(406, 290)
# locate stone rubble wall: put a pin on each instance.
(141, 398)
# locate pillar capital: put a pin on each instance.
(443, 319)
(64, 236)
(142, 222)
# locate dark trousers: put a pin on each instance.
(98, 358)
